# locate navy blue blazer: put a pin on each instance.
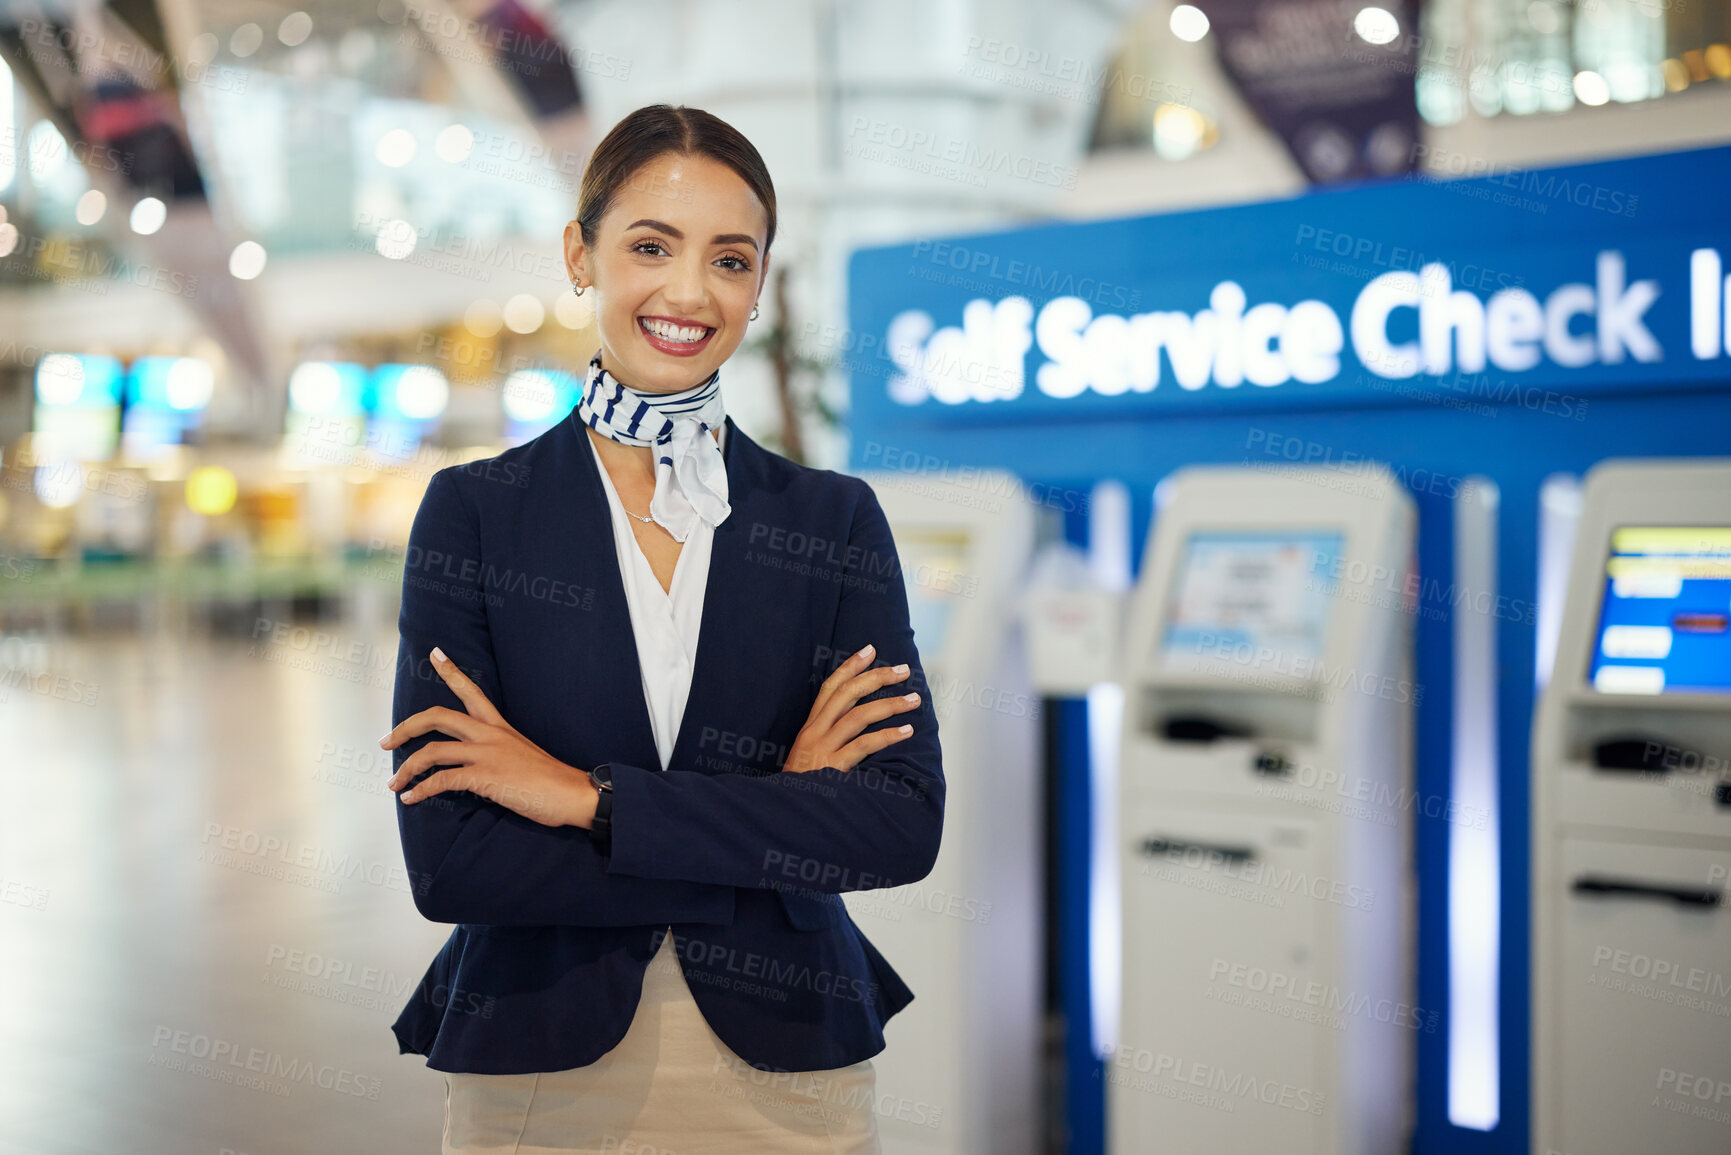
(511, 568)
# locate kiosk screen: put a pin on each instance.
(1259, 598)
(935, 568)
(1663, 621)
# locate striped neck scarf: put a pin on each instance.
(690, 473)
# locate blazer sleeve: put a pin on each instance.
(877, 825)
(469, 859)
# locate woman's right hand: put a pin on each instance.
(833, 732)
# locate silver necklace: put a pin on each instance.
(645, 520)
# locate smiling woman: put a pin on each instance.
(673, 230)
(635, 909)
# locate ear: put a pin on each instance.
(576, 255)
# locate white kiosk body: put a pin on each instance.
(1266, 821)
(961, 1069)
(1631, 823)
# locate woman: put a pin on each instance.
(657, 705)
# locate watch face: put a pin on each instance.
(603, 776)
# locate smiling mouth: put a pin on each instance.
(671, 333)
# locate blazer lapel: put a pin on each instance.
(719, 633)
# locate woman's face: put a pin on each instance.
(676, 266)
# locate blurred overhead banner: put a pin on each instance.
(143, 125)
(532, 56)
(1334, 80)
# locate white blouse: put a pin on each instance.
(665, 622)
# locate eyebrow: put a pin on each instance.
(718, 239)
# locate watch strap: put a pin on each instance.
(601, 827)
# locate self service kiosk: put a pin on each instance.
(1265, 819)
(1631, 766)
(961, 1070)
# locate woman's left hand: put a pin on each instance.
(491, 759)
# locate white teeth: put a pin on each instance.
(668, 331)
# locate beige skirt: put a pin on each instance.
(670, 1086)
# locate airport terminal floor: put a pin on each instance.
(207, 930)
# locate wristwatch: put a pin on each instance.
(601, 829)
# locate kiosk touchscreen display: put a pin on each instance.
(1257, 598)
(1666, 608)
(936, 569)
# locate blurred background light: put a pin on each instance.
(1376, 25)
(58, 484)
(417, 392)
(1179, 131)
(326, 388)
(534, 397)
(484, 317)
(190, 383)
(60, 379)
(295, 28)
(396, 239)
(1590, 88)
(91, 206)
(396, 148)
(148, 216)
(211, 490)
(247, 260)
(524, 313)
(1189, 23)
(454, 143)
(246, 40)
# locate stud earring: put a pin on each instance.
(753, 311)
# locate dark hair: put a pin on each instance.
(652, 131)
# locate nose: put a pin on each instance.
(684, 289)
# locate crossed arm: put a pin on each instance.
(499, 835)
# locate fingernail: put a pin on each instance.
(911, 698)
(867, 651)
(382, 738)
(904, 729)
(902, 669)
(439, 655)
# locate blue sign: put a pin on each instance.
(1494, 291)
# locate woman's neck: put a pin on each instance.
(636, 460)
(615, 375)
